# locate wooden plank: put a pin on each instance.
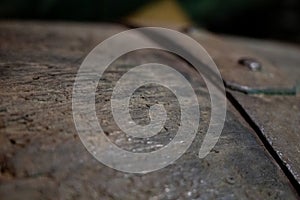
(41, 156)
(277, 116)
(227, 55)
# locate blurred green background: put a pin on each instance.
(270, 19)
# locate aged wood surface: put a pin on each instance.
(277, 116)
(227, 54)
(41, 156)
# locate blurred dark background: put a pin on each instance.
(267, 19)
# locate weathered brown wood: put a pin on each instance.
(227, 54)
(41, 156)
(279, 121)
(278, 117)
